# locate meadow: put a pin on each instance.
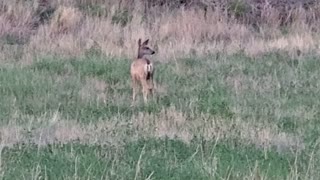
(231, 102)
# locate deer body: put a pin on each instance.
(142, 71)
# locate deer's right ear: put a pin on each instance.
(139, 42)
(145, 42)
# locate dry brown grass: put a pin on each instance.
(70, 32)
(65, 20)
(168, 123)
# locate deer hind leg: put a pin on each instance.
(151, 85)
(145, 90)
(135, 88)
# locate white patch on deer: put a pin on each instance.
(148, 68)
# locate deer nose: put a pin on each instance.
(153, 52)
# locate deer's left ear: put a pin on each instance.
(145, 42)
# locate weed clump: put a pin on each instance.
(65, 19)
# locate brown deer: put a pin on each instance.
(142, 71)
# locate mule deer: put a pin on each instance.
(142, 71)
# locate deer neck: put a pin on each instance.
(140, 55)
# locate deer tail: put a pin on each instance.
(148, 68)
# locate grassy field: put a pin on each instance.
(236, 98)
(216, 117)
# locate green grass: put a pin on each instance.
(159, 159)
(228, 118)
(52, 84)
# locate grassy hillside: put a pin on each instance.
(223, 117)
(234, 100)
(72, 28)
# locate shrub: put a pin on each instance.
(122, 17)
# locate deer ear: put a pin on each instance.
(139, 42)
(145, 42)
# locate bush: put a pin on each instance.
(239, 8)
(98, 10)
(122, 17)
